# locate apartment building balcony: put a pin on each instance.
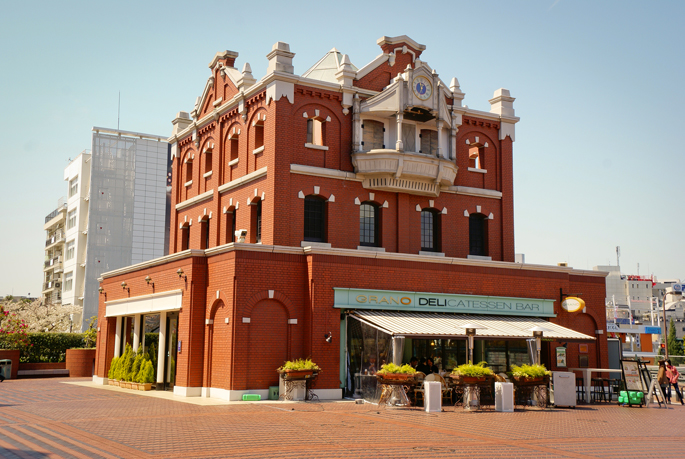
(54, 263)
(57, 216)
(404, 171)
(54, 239)
(49, 286)
(53, 298)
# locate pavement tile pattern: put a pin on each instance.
(46, 418)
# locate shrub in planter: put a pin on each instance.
(472, 372)
(528, 372)
(145, 376)
(392, 371)
(299, 368)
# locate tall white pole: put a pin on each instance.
(161, 356)
(117, 337)
(136, 332)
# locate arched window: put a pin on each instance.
(478, 235)
(314, 219)
(430, 230)
(230, 226)
(369, 225)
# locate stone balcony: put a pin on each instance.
(406, 172)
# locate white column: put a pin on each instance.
(399, 145)
(136, 332)
(117, 337)
(161, 356)
(441, 146)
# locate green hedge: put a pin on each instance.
(50, 347)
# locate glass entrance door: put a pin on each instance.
(172, 350)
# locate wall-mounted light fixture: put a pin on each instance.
(328, 337)
(101, 290)
(148, 279)
(125, 286)
(181, 274)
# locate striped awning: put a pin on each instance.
(431, 325)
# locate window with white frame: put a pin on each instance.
(70, 249)
(68, 281)
(73, 186)
(71, 219)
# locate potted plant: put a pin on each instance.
(392, 371)
(470, 373)
(145, 376)
(529, 373)
(299, 369)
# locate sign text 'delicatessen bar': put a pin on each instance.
(439, 302)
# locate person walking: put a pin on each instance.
(672, 374)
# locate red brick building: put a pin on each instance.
(301, 203)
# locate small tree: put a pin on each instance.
(90, 336)
(675, 347)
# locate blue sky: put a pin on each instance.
(599, 89)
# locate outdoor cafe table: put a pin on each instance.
(587, 374)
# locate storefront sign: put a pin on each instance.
(348, 298)
(633, 329)
(573, 304)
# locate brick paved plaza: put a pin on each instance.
(57, 418)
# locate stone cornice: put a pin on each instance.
(242, 180)
(152, 263)
(391, 256)
(199, 198)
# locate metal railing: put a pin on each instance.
(57, 237)
(61, 206)
(52, 284)
(53, 261)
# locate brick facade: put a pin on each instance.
(247, 307)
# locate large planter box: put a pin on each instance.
(80, 362)
(14, 357)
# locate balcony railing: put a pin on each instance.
(61, 206)
(55, 238)
(52, 284)
(53, 262)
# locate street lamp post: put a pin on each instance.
(663, 305)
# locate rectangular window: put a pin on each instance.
(314, 219)
(409, 137)
(73, 186)
(71, 219)
(315, 132)
(258, 235)
(70, 249)
(68, 281)
(429, 142)
(372, 135)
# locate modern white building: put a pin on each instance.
(115, 215)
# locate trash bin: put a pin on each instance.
(433, 396)
(504, 397)
(273, 392)
(6, 368)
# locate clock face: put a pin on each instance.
(422, 87)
